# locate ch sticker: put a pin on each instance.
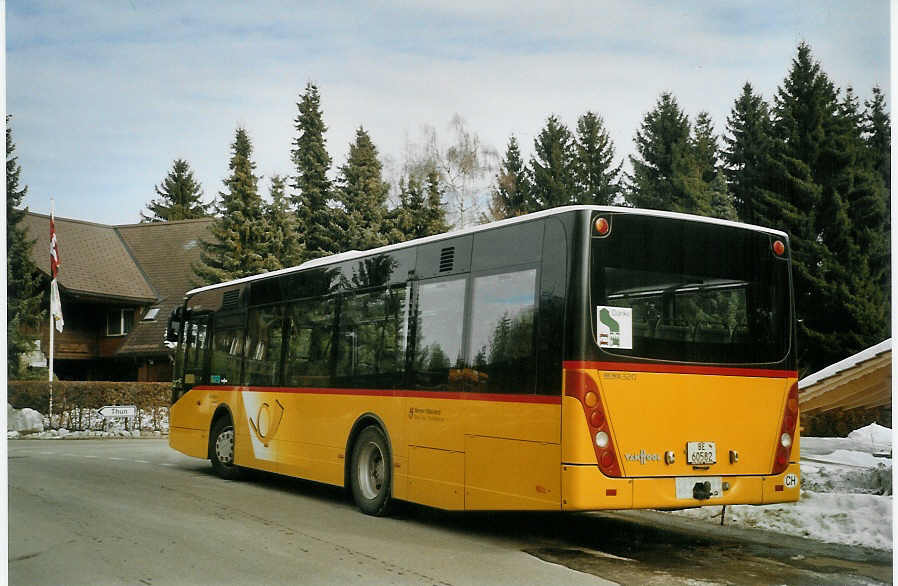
(268, 419)
(790, 481)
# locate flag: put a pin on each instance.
(54, 248)
(55, 303)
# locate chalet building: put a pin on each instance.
(118, 285)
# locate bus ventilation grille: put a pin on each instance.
(447, 259)
(230, 299)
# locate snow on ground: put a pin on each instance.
(88, 423)
(846, 493)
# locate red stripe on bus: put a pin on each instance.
(541, 399)
(681, 369)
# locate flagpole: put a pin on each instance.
(52, 325)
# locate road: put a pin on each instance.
(136, 512)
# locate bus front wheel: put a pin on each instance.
(222, 450)
(371, 472)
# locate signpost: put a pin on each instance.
(125, 411)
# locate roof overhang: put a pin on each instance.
(862, 380)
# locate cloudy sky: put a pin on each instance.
(104, 95)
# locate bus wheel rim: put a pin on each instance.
(224, 446)
(371, 470)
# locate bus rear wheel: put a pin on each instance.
(221, 451)
(371, 472)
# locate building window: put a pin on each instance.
(151, 314)
(119, 322)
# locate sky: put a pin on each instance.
(105, 95)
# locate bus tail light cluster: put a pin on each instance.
(584, 388)
(787, 431)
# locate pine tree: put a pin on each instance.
(866, 259)
(697, 186)
(827, 197)
(407, 220)
(312, 162)
(23, 294)
(748, 148)
(511, 194)
(552, 166)
(239, 231)
(434, 206)
(877, 134)
(597, 176)
(363, 193)
(179, 197)
(282, 243)
(661, 142)
(704, 146)
(421, 211)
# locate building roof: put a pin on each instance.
(861, 380)
(143, 265)
(93, 260)
(166, 252)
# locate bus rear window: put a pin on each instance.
(689, 292)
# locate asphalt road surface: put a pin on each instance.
(136, 512)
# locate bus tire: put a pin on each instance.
(371, 472)
(221, 452)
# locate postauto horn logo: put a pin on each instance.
(268, 419)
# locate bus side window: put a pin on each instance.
(309, 343)
(438, 324)
(371, 341)
(263, 346)
(227, 350)
(502, 326)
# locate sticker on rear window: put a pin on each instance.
(615, 326)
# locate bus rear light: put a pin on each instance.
(602, 226)
(582, 387)
(779, 248)
(786, 440)
(787, 431)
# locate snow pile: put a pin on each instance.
(22, 421)
(92, 434)
(846, 494)
(83, 423)
(874, 435)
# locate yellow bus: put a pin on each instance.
(573, 359)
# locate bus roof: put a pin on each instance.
(352, 254)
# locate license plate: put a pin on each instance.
(701, 453)
(710, 487)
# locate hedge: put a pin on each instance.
(86, 394)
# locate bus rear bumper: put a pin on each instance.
(585, 488)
